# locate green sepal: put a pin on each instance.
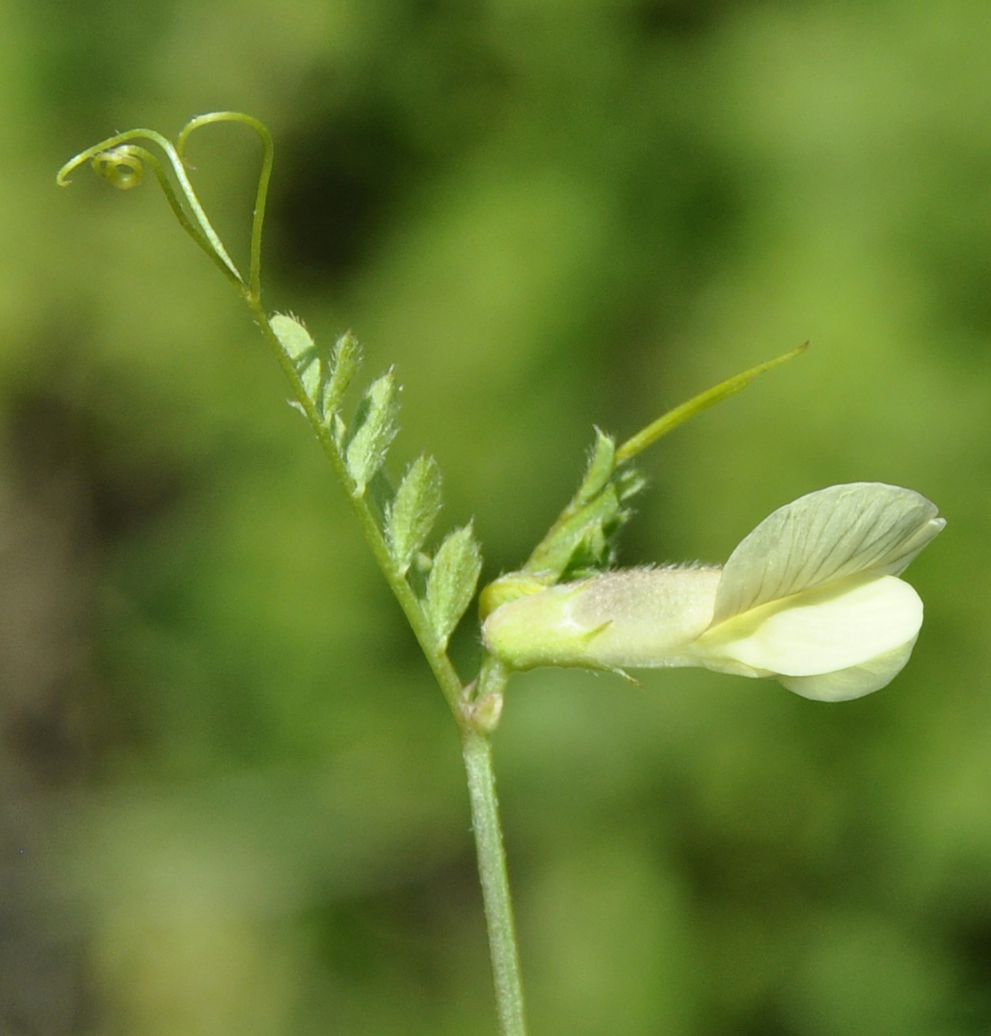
(582, 540)
(600, 466)
(509, 587)
(413, 511)
(621, 673)
(451, 582)
(375, 426)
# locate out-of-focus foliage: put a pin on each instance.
(231, 798)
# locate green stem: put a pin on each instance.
(477, 752)
(475, 746)
(475, 708)
(444, 672)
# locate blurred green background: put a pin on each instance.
(230, 797)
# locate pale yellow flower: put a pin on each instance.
(811, 597)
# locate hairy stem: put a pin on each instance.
(476, 748)
(475, 713)
(443, 669)
(477, 752)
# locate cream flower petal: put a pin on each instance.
(867, 528)
(820, 631)
(854, 682)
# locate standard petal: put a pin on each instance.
(820, 631)
(863, 528)
(854, 682)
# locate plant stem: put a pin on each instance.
(474, 713)
(447, 678)
(475, 746)
(477, 752)
(476, 749)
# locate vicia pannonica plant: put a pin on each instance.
(811, 597)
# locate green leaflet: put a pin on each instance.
(302, 350)
(339, 431)
(673, 419)
(582, 540)
(451, 583)
(375, 426)
(344, 365)
(324, 383)
(412, 513)
(292, 335)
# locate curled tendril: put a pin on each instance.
(121, 167)
(264, 177)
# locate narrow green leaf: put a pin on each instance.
(452, 579)
(583, 541)
(344, 364)
(628, 482)
(375, 426)
(686, 411)
(413, 511)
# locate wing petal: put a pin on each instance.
(820, 631)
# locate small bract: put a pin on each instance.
(811, 597)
